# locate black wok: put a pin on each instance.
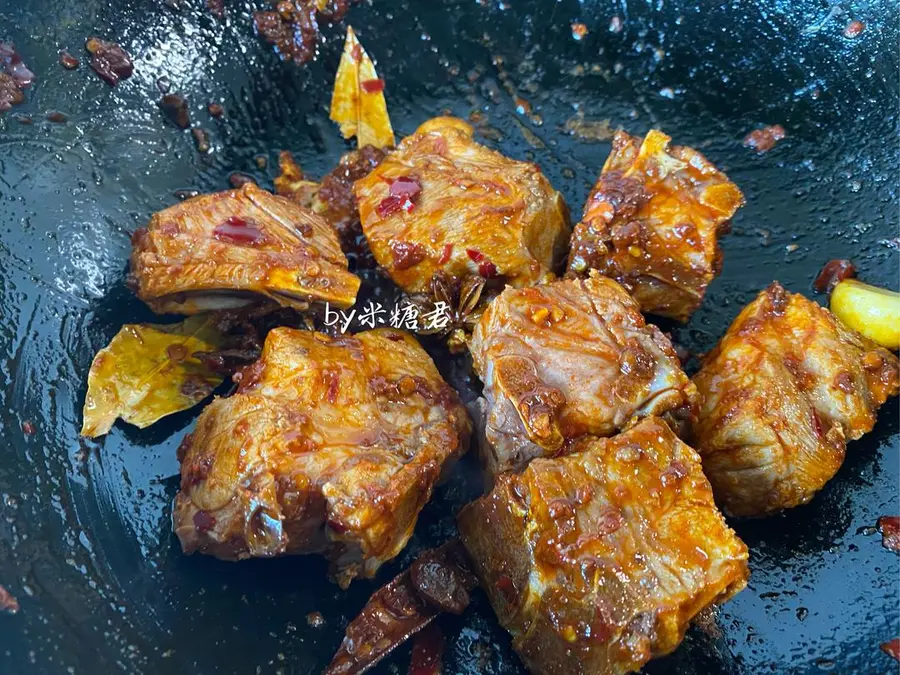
(85, 539)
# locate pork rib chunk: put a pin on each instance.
(328, 446)
(443, 203)
(235, 248)
(596, 561)
(782, 393)
(565, 359)
(652, 223)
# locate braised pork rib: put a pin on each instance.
(596, 561)
(443, 203)
(236, 248)
(565, 359)
(782, 393)
(329, 445)
(652, 223)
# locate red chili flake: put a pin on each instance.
(407, 254)
(892, 648)
(405, 186)
(403, 191)
(445, 254)
(28, 428)
(239, 231)
(833, 272)
(853, 29)
(372, 86)
(427, 652)
(203, 521)
(486, 268)
(315, 620)
(889, 526)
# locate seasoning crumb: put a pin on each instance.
(28, 428)
(579, 31)
(215, 109)
(616, 24)
(186, 194)
(763, 140)
(56, 117)
(790, 248)
(68, 61)
(889, 526)
(315, 619)
(854, 29)
(239, 178)
(163, 84)
(175, 108)
(22, 119)
(201, 139)
(261, 161)
(216, 8)
(112, 63)
(8, 602)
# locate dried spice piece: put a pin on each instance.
(109, 60)
(150, 371)
(215, 109)
(834, 272)
(889, 526)
(358, 104)
(399, 610)
(763, 140)
(14, 77)
(292, 183)
(67, 61)
(201, 139)
(175, 108)
(8, 602)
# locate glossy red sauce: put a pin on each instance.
(372, 86)
(240, 231)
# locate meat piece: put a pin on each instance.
(112, 63)
(231, 249)
(467, 209)
(781, 394)
(597, 561)
(328, 446)
(652, 223)
(400, 609)
(565, 359)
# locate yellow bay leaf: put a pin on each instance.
(149, 371)
(358, 104)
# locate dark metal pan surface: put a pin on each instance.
(85, 539)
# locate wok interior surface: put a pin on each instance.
(85, 539)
